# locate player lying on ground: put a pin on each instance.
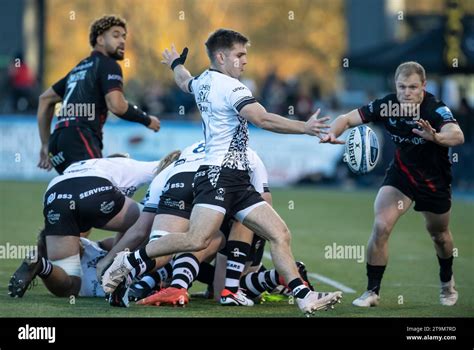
(222, 183)
(420, 172)
(90, 193)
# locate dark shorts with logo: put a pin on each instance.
(429, 193)
(76, 205)
(73, 144)
(177, 198)
(226, 188)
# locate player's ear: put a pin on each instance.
(220, 57)
(100, 39)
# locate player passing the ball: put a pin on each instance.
(422, 128)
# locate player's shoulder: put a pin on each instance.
(434, 106)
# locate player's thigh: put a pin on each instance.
(240, 233)
(169, 223)
(437, 223)
(60, 247)
(125, 218)
(265, 221)
(390, 204)
(204, 222)
(216, 244)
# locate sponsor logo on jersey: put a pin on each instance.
(114, 77)
(445, 113)
(107, 208)
(53, 217)
(238, 88)
(51, 198)
(412, 140)
(180, 161)
(94, 191)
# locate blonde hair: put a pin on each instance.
(408, 68)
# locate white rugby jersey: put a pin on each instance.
(190, 160)
(126, 174)
(92, 253)
(219, 99)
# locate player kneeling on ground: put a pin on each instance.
(90, 193)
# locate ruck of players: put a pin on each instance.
(207, 215)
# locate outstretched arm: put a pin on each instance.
(258, 116)
(341, 124)
(175, 61)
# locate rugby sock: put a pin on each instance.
(185, 270)
(237, 253)
(445, 269)
(206, 273)
(255, 283)
(298, 289)
(140, 262)
(154, 278)
(46, 268)
(375, 274)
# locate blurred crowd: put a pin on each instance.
(287, 97)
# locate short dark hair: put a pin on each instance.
(223, 39)
(103, 24)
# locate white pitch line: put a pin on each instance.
(322, 278)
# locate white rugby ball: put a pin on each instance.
(361, 150)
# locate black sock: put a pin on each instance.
(237, 253)
(298, 289)
(445, 269)
(206, 273)
(185, 270)
(140, 262)
(255, 283)
(375, 274)
(46, 268)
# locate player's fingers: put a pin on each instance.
(338, 142)
(324, 119)
(417, 132)
(315, 115)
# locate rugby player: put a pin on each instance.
(90, 193)
(172, 200)
(222, 183)
(93, 87)
(420, 172)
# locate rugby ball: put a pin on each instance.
(362, 150)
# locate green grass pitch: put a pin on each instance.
(317, 218)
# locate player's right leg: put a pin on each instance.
(204, 222)
(65, 277)
(389, 205)
(265, 222)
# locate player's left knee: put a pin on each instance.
(440, 237)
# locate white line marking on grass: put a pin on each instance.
(322, 278)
